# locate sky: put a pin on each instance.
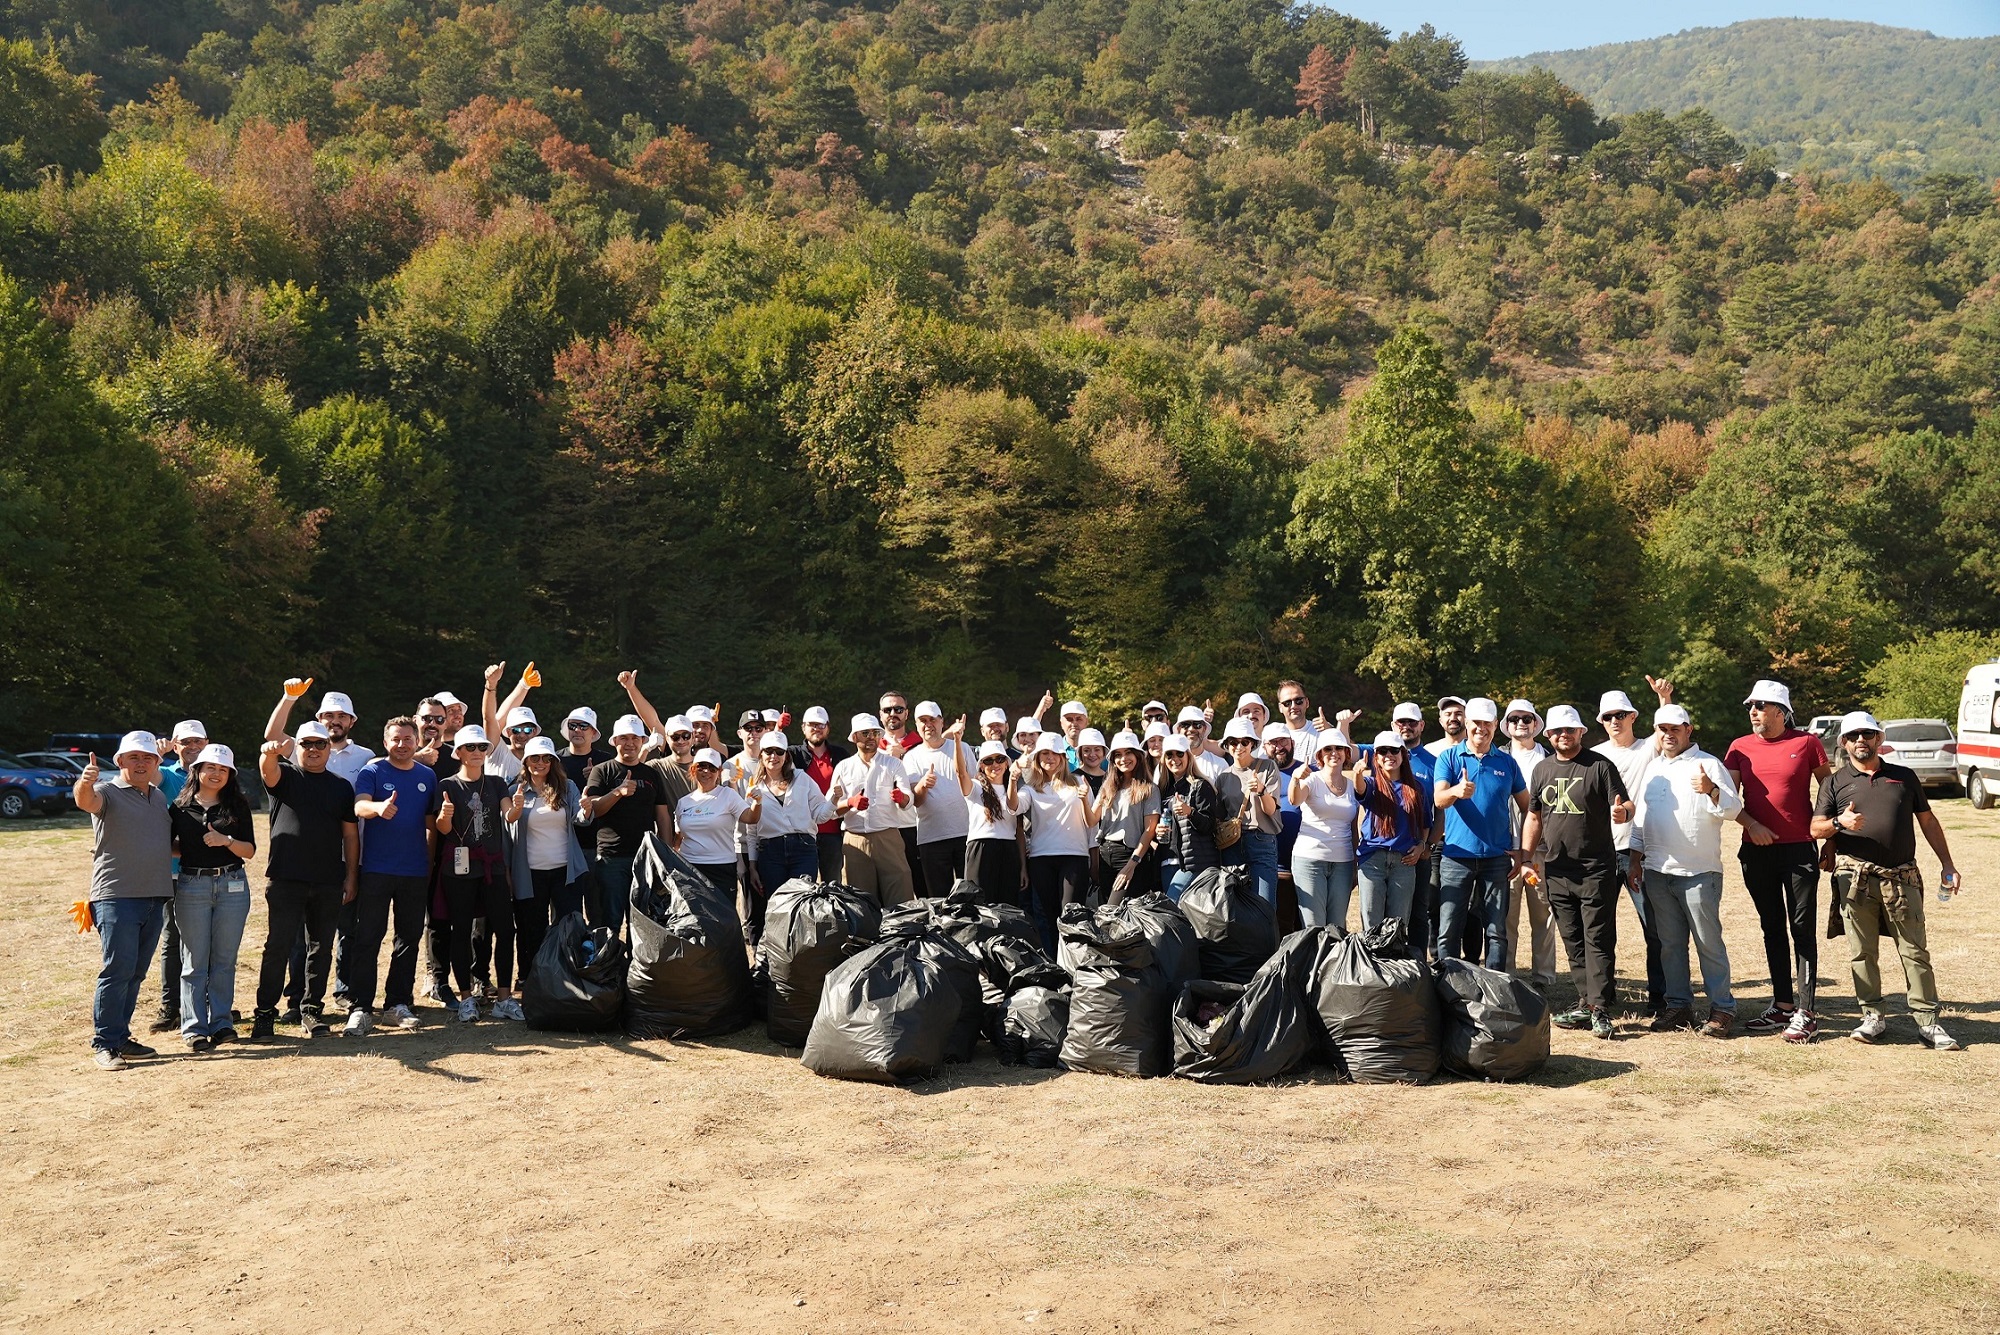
(1495, 31)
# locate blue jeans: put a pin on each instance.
(1690, 905)
(211, 908)
(785, 857)
(1388, 888)
(128, 932)
(1475, 886)
(1260, 854)
(614, 893)
(1323, 890)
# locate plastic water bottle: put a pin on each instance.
(1947, 887)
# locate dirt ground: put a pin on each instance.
(486, 1177)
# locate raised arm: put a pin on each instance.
(84, 791)
(268, 756)
(281, 713)
(629, 679)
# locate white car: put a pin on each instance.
(1977, 759)
(1925, 745)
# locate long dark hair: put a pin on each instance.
(1378, 803)
(230, 797)
(558, 780)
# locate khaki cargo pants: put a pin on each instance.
(876, 865)
(1877, 900)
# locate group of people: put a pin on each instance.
(463, 842)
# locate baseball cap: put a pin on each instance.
(520, 716)
(1409, 709)
(137, 740)
(988, 750)
(708, 755)
(1389, 741)
(774, 740)
(1073, 707)
(1771, 692)
(700, 714)
(1481, 710)
(1127, 740)
(188, 729)
(992, 716)
(314, 729)
(215, 753)
(861, 723)
(333, 702)
(1251, 698)
(1615, 702)
(1671, 714)
(540, 746)
(1444, 700)
(1277, 732)
(1239, 728)
(817, 714)
(678, 723)
(631, 725)
(928, 709)
(749, 716)
(582, 714)
(470, 735)
(1174, 742)
(1564, 716)
(1191, 714)
(1859, 721)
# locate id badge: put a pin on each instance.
(461, 861)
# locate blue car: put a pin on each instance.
(26, 787)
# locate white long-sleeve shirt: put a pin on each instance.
(800, 811)
(853, 776)
(1681, 829)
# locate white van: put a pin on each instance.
(1979, 734)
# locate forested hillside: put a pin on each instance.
(1821, 95)
(792, 350)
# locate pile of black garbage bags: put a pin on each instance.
(1203, 989)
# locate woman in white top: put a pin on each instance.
(1128, 821)
(993, 810)
(784, 842)
(548, 862)
(1060, 820)
(1323, 857)
(705, 822)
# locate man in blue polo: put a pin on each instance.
(1477, 786)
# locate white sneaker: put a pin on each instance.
(403, 1017)
(358, 1023)
(510, 1009)
(1873, 1025)
(468, 1010)
(1937, 1038)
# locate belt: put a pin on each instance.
(214, 874)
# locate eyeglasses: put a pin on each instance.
(1764, 704)
(1389, 752)
(1861, 734)
(993, 760)
(680, 736)
(1240, 741)
(1297, 701)
(895, 709)
(572, 726)
(473, 746)
(1514, 720)
(430, 718)
(1191, 726)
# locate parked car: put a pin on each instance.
(1978, 754)
(1826, 727)
(63, 762)
(1925, 745)
(26, 787)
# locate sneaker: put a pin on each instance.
(510, 1009)
(468, 1011)
(403, 1017)
(1668, 1020)
(131, 1050)
(1934, 1035)
(312, 1025)
(358, 1023)
(264, 1025)
(200, 1043)
(1873, 1025)
(290, 1016)
(1721, 1024)
(1803, 1028)
(1600, 1025)
(1576, 1019)
(107, 1060)
(438, 992)
(165, 1023)
(223, 1035)
(1772, 1021)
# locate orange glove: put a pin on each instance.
(531, 678)
(79, 913)
(295, 687)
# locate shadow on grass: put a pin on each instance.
(418, 1050)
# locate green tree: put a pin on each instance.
(1922, 678)
(48, 117)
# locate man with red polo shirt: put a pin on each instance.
(1774, 768)
(817, 755)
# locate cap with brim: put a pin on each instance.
(1674, 714)
(750, 716)
(333, 702)
(137, 741)
(1127, 740)
(1174, 742)
(1027, 727)
(1151, 705)
(774, 740)
(583, 714)
(631, 725)
(188, 729)
(701, 714)
(215, 753)
(1330, 740)
(928, 709)
(1073, 707)
(520, 716)
(1859, 721)
(1157, 728)
(1409, 711)
(1615, 702)
(313, 730)
(1520, 706)
(1444, 700)
(1388, 741)
(678, 723)
(1771, 693)
(1048, 744)
(539, 746)
(1090, 737)
(1481, 710)
(1249, 698)
(988, 718)
(470, 735)
(990, 750)
(1239, 729)
(1190, 714)
(817, 715)
(1564, 716)
(708, 755)
(1278, 732)
(448, 700)
(773, 717)
(861, 723)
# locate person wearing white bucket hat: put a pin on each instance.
(940, 767)
(214, 834)
(1526, 895)
(313, 864)
(1775, 767)
(818, 755)
(1632, 754)
(1060, 821)
(131, 883)
(1391, 831)
(1476, 786)
(870, 789)
(1323, 858)
(993, 831)
(1128, 822)
(469, 812)
(626, 799)
(545, 860)
(783, 844)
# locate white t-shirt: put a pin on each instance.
(348, 760)
(1056, 824)
(1326, 822)
(1526, 761)
(707, 822)
(502, 761)
(942, 814)
(1632, 761)
(853, 777)
(546, 829)
(980, 825)
(1209, 765)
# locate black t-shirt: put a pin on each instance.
(476, 820)
(578, 767)
(308, 813)
(622, 827)
(193, 821)
(1888, 800)
(1574, 798)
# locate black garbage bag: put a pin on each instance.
(1495, 1027)
(1003, 939)
(1239, 1034)
(1237, 929)
(891, 1012)
(1119, 999)
(688, 976)
(809, 927)
(1032, 1027)
(1380, 1011)
(1176, 948)
(577, 979)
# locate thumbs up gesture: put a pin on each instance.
(90, 771)
(495, 671)
(1703, 784)
(1849, 820)
(1465, 786)
(389, 806)
(1621, 811)
(445, 812)
(530, 677)
(297, 686)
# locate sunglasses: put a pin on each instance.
(993, 760)
(1860, 735)
(1295, 702)
(573, 727)
(473, 746)
(1390, 752)
(1239, 741)
(1764, 704)
(895, 709)
(1514, 719)
(430, 718)
(680, 736)
(523, 730)
(316, 746)
(1191, 725)
(1616, 715)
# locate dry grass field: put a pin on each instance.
(489, 1178)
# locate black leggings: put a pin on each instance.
(1783, 881)
(1053, 881)
(470, 897)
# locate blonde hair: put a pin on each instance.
(1039, 778)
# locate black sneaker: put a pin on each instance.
(290, 1016)
(199, 1044)
(312, 1026)
(264, 1025)
(1774, 1020)
(1680, 1017)
(165, 1023)
(132, 1049)
(221, 1036)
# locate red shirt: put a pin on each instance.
(1776, 775)
(820, 770)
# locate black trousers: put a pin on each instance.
(469, 899)
(919, 887)
(170, 968)
(943, 862)
(1111, 859)
(298, 911)
(534, 915)
(1783, 880)
(1583, 896)
(1055, 881)
(381, 898)
(1424, 903)
(994, 865)
(830, 855)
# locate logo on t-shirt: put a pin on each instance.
(1556, 796)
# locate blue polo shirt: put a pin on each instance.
(1479, 826)
(396, 847)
